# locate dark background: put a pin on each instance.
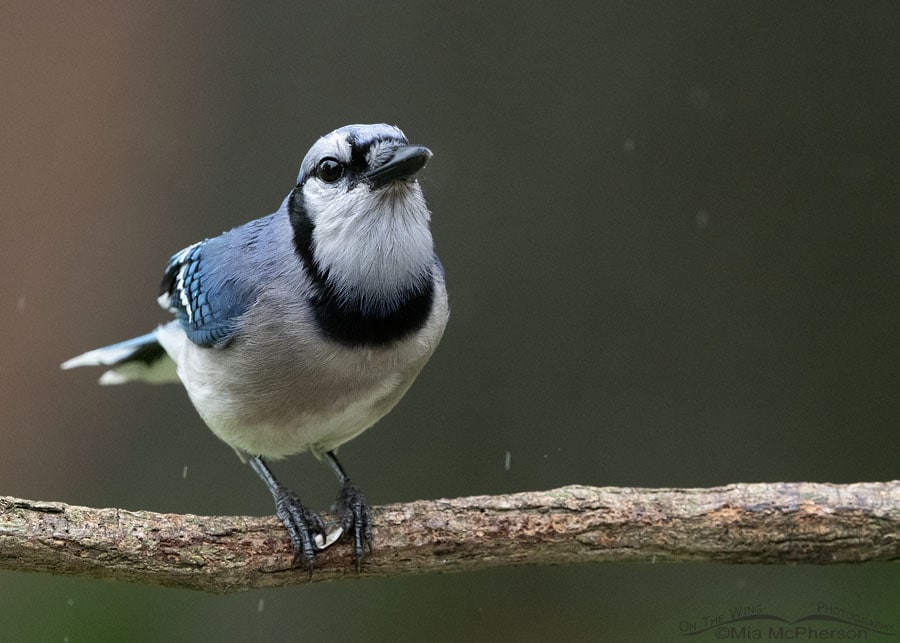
(670, 232)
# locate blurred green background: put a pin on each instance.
(670, 232)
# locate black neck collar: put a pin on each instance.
(349, 321)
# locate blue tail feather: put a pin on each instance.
(139, 358)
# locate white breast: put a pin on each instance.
(288, 390)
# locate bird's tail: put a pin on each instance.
(141, 358)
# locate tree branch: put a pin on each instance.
(771, 523)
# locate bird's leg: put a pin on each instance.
(302, 524)
(353, 512)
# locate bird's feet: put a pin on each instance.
(304, 527)
(356, 519)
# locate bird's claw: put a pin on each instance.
(356, 520)
(305, 527)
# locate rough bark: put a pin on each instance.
(771, 523)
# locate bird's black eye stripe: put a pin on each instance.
(329, 170)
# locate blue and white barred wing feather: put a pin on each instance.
(201, 289)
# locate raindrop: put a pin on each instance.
(702, 219)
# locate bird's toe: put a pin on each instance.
(356, 520)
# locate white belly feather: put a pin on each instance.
(281, 395)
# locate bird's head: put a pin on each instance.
(360, 156)
(358, 212)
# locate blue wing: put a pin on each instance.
(201, 288)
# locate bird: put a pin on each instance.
(299, 330)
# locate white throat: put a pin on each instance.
(375, 246)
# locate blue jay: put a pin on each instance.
(300, 330)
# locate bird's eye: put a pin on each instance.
(329, 170)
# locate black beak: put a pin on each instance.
(405, 161)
